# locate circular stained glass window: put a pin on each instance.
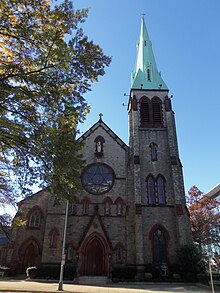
(98, 178)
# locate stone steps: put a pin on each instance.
(93, 280)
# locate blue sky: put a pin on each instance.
(186, 42)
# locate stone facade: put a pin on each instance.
(131, 210)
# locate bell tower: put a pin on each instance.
(157, 220)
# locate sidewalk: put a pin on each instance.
(10, 285)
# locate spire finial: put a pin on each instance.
(100, 115)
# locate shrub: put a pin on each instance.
(124, 274)
(7, 271)
(53, 272)
(150, 268)
(191, 261)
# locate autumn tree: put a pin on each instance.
(204, 219)
(47, 64)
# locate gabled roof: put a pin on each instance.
(95, 219)
(214, 192)
(146, 75)
(108, 130)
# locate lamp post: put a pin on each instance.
(60, 286)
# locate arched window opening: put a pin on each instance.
(157, 110)
(34, 220)
(159, 248)
(144, 111)
(119, 207)
(107, 208)
(153, 149)
(161, 190)
(151, 190)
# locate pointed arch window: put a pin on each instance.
(156, 190)
(34, 217)
(119, 206)
(35, 220)
(151, 190)
(153, 150)
(159, 247)
(161, 190)
(107, 206)
(157, 110)
(144, 111)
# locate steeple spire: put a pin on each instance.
(146, 75)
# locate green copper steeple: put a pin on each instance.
(146, 75)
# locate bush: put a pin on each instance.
(124, 274)
(174, 268)
(150, 268)
(7, 271)
(53, 272)
(191, 261)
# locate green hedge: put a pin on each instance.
(53, 272)
(124, 274)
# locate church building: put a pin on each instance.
(131, 210)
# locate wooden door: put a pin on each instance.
(95, 259)
(30, 257)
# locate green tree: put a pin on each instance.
(47, 64)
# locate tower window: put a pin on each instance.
(161, 190)
(157, 110)
(156, 190)
(153, 149)
(151, 190)
(144, 111)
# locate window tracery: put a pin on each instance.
(156, 190)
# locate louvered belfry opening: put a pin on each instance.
(151, 112)
(144, 111)
(156, 110)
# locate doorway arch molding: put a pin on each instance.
(94, 255)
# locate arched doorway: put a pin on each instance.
(29, 254)
(94, 255)
(94, 265)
